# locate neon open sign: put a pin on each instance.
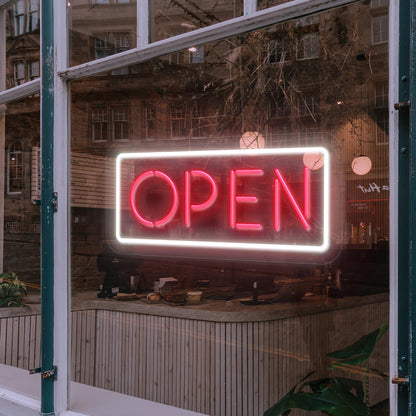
(260, 200)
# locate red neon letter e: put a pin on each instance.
(234, 198)
(168, 217)
(204, 205)
(306, 191)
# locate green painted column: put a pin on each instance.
(47, 210)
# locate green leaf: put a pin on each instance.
(347, 404)
(301, 400)
(348, 384)
(360, 350)
(4, 301)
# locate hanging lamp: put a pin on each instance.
(361, 164)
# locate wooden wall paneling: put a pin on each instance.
(73, 347)
(161, 347)
(212, 363)
(177, 367)
(3, 339)
(27, 343)
(92, 345)
(250, 372)
(194, 357)
(244, 367)
(148, 358)
(15, 342)
(37, 343)
(131, 360)
(9, 341)
(264, 331)
(169, 337)
(256, 365)
(104, 364)
(238, 370)
(21, 342)
(82, 330)
(216, 368)
(186, 341)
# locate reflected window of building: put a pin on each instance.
(381, 94)
(178, 125)
(308, 105)
(32, 16)
(25, 71)
(307, 46)
(33, 70)
(14, 169)
(120, 122)
(116, 130)
(149, 121)
(278, 51)
(101, 46)
(380, 28)
(19, 73)
(99, 124)
(19, 17)
(106, 44)
(25, 16)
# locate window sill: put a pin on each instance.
(20, 396)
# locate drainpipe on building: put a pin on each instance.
(48, 205)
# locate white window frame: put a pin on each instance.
(251, 20)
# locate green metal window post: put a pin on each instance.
(47, 209)
(407, 207)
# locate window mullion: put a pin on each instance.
(142, 23)
(250, 6)
(62, 316)
(21, 91)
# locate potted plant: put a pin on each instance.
(12, 290)
(337, 396)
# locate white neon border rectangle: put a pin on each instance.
(224, 245)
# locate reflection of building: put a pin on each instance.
(302, 85)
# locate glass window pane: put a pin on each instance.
(171, 18)
(101, 28)
(20, 329)
(202, 185)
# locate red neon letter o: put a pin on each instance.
(168, 217)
